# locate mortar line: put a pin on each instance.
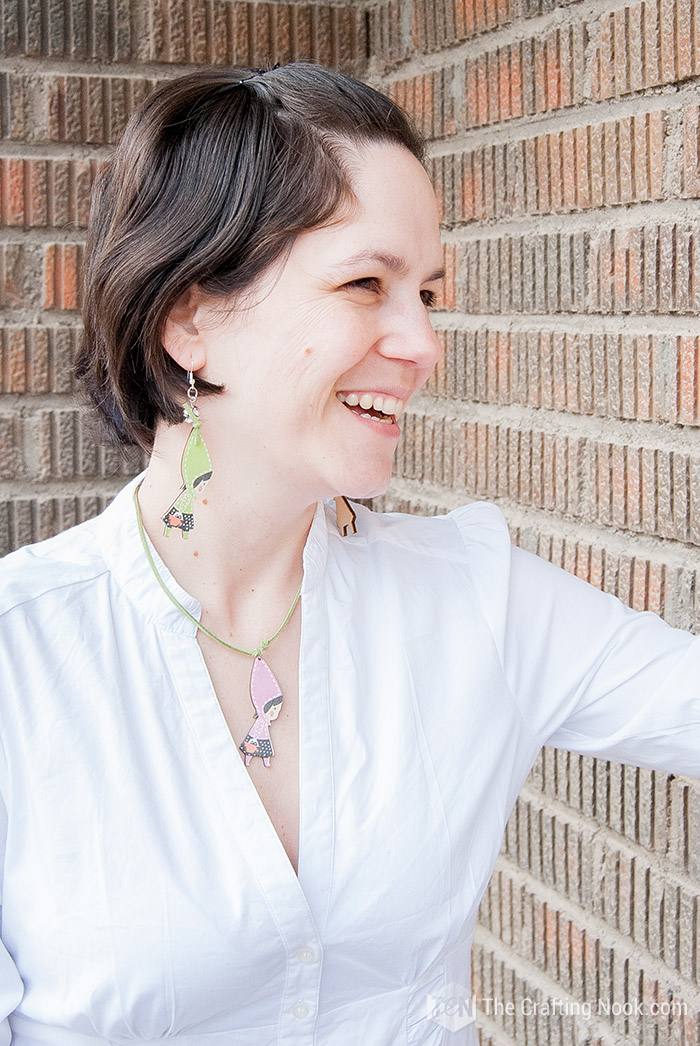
(42, 235)
(85, 486)
(14, 149)
(48, 319)
(640, 324)
(619, 216)
(631, 324)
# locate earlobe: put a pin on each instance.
(181, 337)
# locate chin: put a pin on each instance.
(368, 489)
(370, 480)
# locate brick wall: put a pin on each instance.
(565, 154)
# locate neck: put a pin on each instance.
(243, 558)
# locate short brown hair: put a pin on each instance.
(212, 181)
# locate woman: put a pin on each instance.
(260, 744)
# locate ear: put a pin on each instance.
(181, 336)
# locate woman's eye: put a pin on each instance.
(370, 283)
(364, 281)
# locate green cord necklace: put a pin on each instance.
(265, 692)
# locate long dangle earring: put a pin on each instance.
(196, 468)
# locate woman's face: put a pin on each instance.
(346, 313)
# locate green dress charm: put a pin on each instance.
(196, 470)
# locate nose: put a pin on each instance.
(409, 336)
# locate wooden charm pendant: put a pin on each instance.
(345, 516)
(266, 696)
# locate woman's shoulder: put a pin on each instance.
(33, 572)
(461, 556)
(477, 524)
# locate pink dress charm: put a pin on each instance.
(266, 696)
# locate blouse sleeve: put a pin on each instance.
(11, 986)
(589, 674)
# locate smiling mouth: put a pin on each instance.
(370, 411)
(376, 415)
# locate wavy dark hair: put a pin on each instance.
(212, 181)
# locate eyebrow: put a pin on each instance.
(389, 261)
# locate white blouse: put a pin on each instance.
(146, 896)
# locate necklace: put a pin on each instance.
(265, 692)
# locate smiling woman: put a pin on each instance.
(259, 744)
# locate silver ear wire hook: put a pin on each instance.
(192, 393)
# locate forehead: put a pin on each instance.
(395, 216)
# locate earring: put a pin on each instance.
(345, 516)
(196, 467)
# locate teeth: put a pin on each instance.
(386, 404)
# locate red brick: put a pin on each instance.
(655, 154)
(504, 85)
(620, 46)
(688, 365)
(667, 39)
(62, 276)
(12, 191)
(604, 68)
(582, 167)
(516, 82)
(568, 170)
(482, 93)
(45, 193)
(596, 165)
(553, 71)
(691, 152)
(650, 32)
(634, 73)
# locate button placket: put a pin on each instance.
(300, 1008)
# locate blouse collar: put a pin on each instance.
(123, 552)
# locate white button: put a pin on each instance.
(306, 955)
(300, 1010)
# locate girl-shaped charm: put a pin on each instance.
(196, 473)
(266, 696)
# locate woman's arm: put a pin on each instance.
(11, 987)
(588, 673)
(598, 678)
